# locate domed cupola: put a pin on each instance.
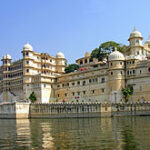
(148, 41)
(135, 34)
(6, 59)
(27, 47)
(116, 55)
(7, 56)
(60, 55)
(87, 54)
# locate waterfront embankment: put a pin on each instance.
(72, 110)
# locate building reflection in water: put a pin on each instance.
(119, 133)
(47, 139)
(23, 133)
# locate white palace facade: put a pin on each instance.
(95, 81)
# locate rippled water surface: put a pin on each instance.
(120, 133)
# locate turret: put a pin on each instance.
(60, 62)
(116, 75)
(28, 70)
(6, 60)
(135, 40)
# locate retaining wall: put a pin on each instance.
(72, 110)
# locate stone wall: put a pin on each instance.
(72, 110)
(68, 110)
(129, 109)
(14, 110)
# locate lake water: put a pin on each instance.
(119, 133)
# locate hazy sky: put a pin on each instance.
(70, 26)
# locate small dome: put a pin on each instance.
(27, 47)
(87, 54)
(7, 56)
(148, 41)
(116, 55)
(135, 33)
(60, 55)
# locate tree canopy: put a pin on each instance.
(126, 92)
(106, 48)
(32, 97)
(71, 68)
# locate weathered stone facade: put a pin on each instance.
(95, 81)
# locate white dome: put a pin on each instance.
(148, 41)
(116, 55)
(7, 56)
(135, 33)
(27, 47)
(60, 55)
(87, 54)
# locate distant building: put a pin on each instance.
(35, 72)
(95, 81)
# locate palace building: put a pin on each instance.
(95, 81)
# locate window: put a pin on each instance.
(27, 70)
(120, 63)
(27, 53)
(57, 95)
(128, 72)
(149, 69)
(73, 83)
(89, 80)
(102, 80)
(133, 71)
(121, 72)
(81, 62)
(85, 61)
(73, 93)
(140, 71)
(111, 73)
(27, 62)
(103, 90)
(84, 92)
(93, 91)
(78, 93)
(111, 64)
(133, 62)
(65, 94)
(84, 82)
(78, 82)
(45, 85)
(137, 41)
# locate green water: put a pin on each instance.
(120, 133)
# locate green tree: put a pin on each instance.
(106, 48)
(71, 68)
(99, 54)
(110, 46)
(126, 92)
(32, 97)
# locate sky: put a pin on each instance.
(70, 26)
